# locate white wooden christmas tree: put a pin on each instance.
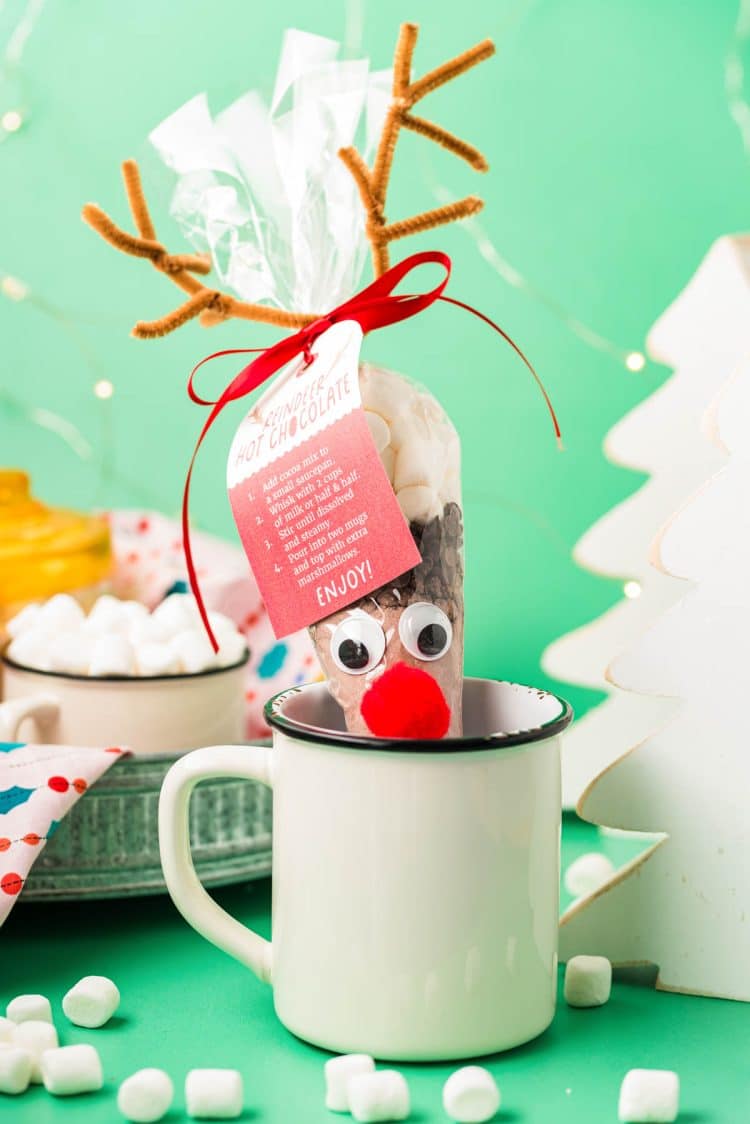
(684, 905)
(702, 336)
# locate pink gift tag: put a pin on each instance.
(315, 510)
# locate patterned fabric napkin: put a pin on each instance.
(39, 784)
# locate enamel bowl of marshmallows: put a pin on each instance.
(149, 683)
(121, 675)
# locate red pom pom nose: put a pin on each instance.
(406, 702)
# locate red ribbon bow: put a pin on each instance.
(374, 307)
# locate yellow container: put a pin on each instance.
(46, 550)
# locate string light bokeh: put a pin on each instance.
(15, 114)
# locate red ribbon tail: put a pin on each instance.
(519, 353)
(186, 544)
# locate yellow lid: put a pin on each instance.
(46, 550)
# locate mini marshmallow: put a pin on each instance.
(214, 1094)
(588, 981)
(25, 1007)
(91, 1002)
(61, 612)
(382, 392)
(145, 1096)
(109, 615)
(379, 430)
(232, 649)
(31, 648)
(35, 1036)
(7, 1027)
(649, 1096)
(176, 613)
(338, 1072)
(388, 457)
(193, 652)
(588, 873)
(147, 631)
(70, 1070)
(70, 653)
(418, 503)
(417, 462)
(112, 654)
(153, 658)
(383, 1095)
(23, 621)
(15, 1069)
(471, 1095)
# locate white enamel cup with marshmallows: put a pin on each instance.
(150, 715)
(415, 884)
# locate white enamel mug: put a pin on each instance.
(415, 884)
(150, 715)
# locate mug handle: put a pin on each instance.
(45, 708)
(253, 762)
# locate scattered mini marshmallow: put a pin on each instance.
(338, 1073)
(588, 873)
(7, 1028)
(471, 1095)
(91, 1002)
(588, 981)
(35, 1036)
(649, 1096)
(382, 1095)
(25, 1007)
(214, 1094)
(70, 1070)
(112, 654)
(15, 1069)
(145, 1096)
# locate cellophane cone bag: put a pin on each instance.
(261, 190)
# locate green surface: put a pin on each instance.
(185, 1004)
(614, 166)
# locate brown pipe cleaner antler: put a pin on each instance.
(373, 184)
(212, 305)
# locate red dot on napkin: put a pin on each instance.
(11, 883)
(58, 784)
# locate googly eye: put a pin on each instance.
(425, 631)
(357, 644)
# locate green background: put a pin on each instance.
(185, 1004)
(614, 164)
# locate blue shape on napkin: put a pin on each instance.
(272, 661)
(54, 824)
(6, 747)
(11, 797)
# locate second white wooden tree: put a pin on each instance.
(684, 905)
(702, 336)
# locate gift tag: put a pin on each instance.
(315, 510)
